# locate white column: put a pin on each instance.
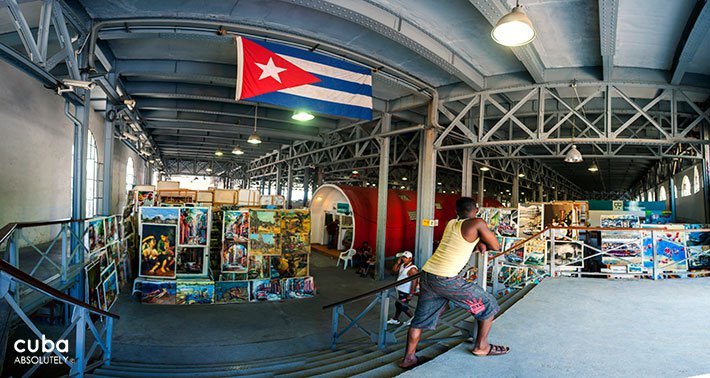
(382, 187)
(467, 174)
(425, 193)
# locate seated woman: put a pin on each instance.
(361, 258)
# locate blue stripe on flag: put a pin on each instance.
(343, 85)
(313, 57)
(317, 106)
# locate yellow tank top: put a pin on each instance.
(453, 252)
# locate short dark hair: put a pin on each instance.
(465, 205)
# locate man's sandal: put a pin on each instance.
(495, 350)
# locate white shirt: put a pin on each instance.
(404, 273)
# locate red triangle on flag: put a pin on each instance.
(262, 71)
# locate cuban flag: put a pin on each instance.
(299, 79)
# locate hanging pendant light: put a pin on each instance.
(237, 151)
(514, 29)
(573, 155)
(594, 167)
(254, 138)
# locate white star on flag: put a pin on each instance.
(270, 70)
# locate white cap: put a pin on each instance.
(407, 254)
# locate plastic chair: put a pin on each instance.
(346, 257)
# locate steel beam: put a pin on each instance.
(382, 189)
(608, 15)
(691, 45)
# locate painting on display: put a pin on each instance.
(619, 221)
(265, 290)
(290, 265)
(295, 243)
(191, 260)
(512, 276)
(96, 234)
(110, 292)
(264, 244)
(231, 292)
(158, 292)
(670, 250)
(195, 292)
(93, 280)
(295, 231)
(232, 276)
(157, 257)
(491, 215)
(234, 257)
(259, 267)
(515, 256)
(194, 223)
(296, 288)
(568, 254)
(698, 248)
(507, 224)
(562, 214)
(236, 226)
(159, 215)
(535, 252)
(264, 222)
(622, 248)
(529, 219)
(111, 231)
(145, 198)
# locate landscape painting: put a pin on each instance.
(195, 292)
(264, 222)
(159, 215)
(529, 220)
(194, 222)
(236, 226)
(264, 244)
(158, 292)
(231, 292)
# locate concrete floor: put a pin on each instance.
(237, 332)
(592, 328)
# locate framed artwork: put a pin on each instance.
(511, 276)
(563, 214)
(191, 260)
(295, 243)
(535, 252)
(264, 244)
(296, 221)
(96, 234)
(671, 251)
(264, 222)
(619, 221)
(508, 223)
(698, 249)
(297, 288)
(110, 292)
(231, 292)
(236, 226)
(157, 252)
(145, 198)
(232, 276)
(234, 257)
(195, 292)
(265, 290)
(111, 231)
(290, 265)
(515, 256)
(530, 218)
(194, 224)
(622, 248)
(159, 215)
(158, 292)
(93, 280)
(259, 267)
(568, 254)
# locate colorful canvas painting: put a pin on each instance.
(295, 243)
(670, 250)
(194, 223)
(512, 276)
(562, 214)
(93, 279)
(236, 226)
(622, 248)
(157, 257)
(259, 267)
(698, 249)
(296, 288)
(145, 198)
(264, 222)
(191, 260)
(619, 221)
(535, 252)
(490, 215)
(110, 292)
(232, 276)
(296, 221)
(234, 257)
(111, 230)
(658, 217)
(158, 292)
(508, 223)
(529, 219)
(263, 244)
(195, 292)
(231, 292)
(290, 265)
(515, 256)
(96, 234)
(159, 215)
(568, 254)
(265, 290)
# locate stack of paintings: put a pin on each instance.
(107, 255)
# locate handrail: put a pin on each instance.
(518, 244)
(52, 292)
(7, 230)
(375, 291)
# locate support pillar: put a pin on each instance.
(515, 191)
(540, 193)
(705, 133)
(382, 188)
(481, 189)
(289, 186)
(426, 190)
(108, 163)
(672, 196)
(306, 184)
(278, 175)
(467, 174)
(554, 194)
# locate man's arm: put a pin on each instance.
(395, 268)
(415, 282)
(477, 228)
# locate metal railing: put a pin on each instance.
(24, 293)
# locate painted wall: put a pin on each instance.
(36, 151)
(690, 209)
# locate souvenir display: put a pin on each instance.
(158, 292)
(516, 255)
(231, 292)
(295, 288)
(236, 226)
(622, 248)
(529, 219)
(195, 292)
(295, 231)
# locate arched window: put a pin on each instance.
(662, 196)
(651, 195)
(643, 197)
(685, 186)
(696, 180)
(130, 175)
(92, 169)
(675, 191)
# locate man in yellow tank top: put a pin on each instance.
(441, 282)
